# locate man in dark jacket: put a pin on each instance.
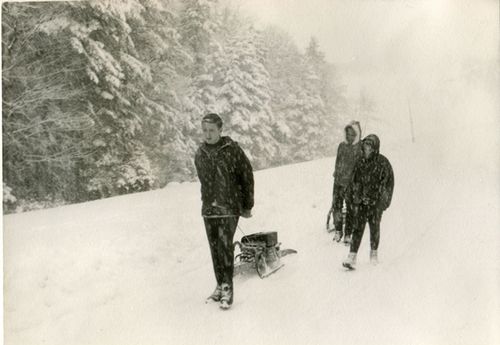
(227, 188)
(371, 187)
(348, 154)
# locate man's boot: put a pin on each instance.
(373, 257)
(347, 240)
(226, 299)
(350, 262)
(338, 235)
(216, 295)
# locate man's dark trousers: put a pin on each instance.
(339, 196)
(361, 215)
(220, 234)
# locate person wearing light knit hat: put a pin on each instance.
(348, 152)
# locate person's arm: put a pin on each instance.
(246, 180)
(387, 185)
(335, 171)
(338, 159)
(354, 185)
(199, 171)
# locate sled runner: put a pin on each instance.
(260, 252)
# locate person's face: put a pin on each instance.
(211, 132)
(350, 135)
(367, 149)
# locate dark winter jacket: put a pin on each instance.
(226, 178)
(347, 155)
(373, 178)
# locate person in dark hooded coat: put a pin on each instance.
(348, 153)
(371, 190)
(227, 192)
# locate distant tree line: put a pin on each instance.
(104, 98)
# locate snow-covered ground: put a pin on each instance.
(136, 269)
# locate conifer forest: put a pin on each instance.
(103, 98)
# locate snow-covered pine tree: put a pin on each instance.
(315, 99)
(311, 102)
(43, 115)
(199, 26)
(284, 62)
(299, 105)
(117, 99)
(157, 41)
(244, 96)
(331, 93)
(102, 97)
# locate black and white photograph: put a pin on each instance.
(250, 172)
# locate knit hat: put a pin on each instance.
(212, 118)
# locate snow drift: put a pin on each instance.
(136, 269)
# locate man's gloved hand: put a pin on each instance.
(246, 213)
(383, 202)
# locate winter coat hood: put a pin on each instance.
(357, 129)
(374, 141)
(373, 178)
(347, 155)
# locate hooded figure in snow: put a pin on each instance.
(348, 153)
(371, 191)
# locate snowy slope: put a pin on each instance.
(136, 269)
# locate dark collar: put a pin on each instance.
(210, 148)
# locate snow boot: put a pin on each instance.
(216, 295)
(373, 257)
(338, 236)
(350, 262)
(226, 299)
(347, 240)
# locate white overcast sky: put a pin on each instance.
(364, 30)
(398, 51)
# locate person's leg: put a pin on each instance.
(359, 222)
(359, 217)
(226, 258)
(226, 235)
(349, 219)
(338, 201)
(374, 219)
(212, 230)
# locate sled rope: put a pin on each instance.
(241, 230)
